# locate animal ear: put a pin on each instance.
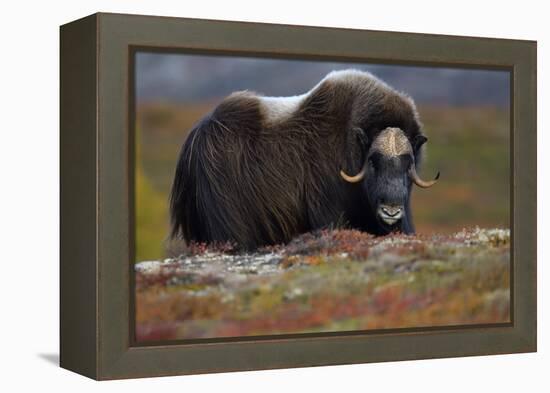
(418, 141)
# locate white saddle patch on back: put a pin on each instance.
(278, 109)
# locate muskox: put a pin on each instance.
(260, 170)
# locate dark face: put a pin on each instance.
(386, 177)
(387, 185)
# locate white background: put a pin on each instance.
(29, 181)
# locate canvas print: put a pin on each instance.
(288, 196)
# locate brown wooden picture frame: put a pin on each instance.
(97, 229)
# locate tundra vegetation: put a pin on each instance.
(330, 280)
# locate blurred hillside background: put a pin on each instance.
(465, 113)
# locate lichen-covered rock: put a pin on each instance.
(327, 281)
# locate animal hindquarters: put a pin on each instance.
(236, 185)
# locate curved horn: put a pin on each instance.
(418, 181)
(357, 178)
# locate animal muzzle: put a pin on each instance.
(390, 214)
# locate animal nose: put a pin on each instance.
(391, 211)
(390, 214)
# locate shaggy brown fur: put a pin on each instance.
(249, 177)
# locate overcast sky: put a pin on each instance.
(184, 78)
